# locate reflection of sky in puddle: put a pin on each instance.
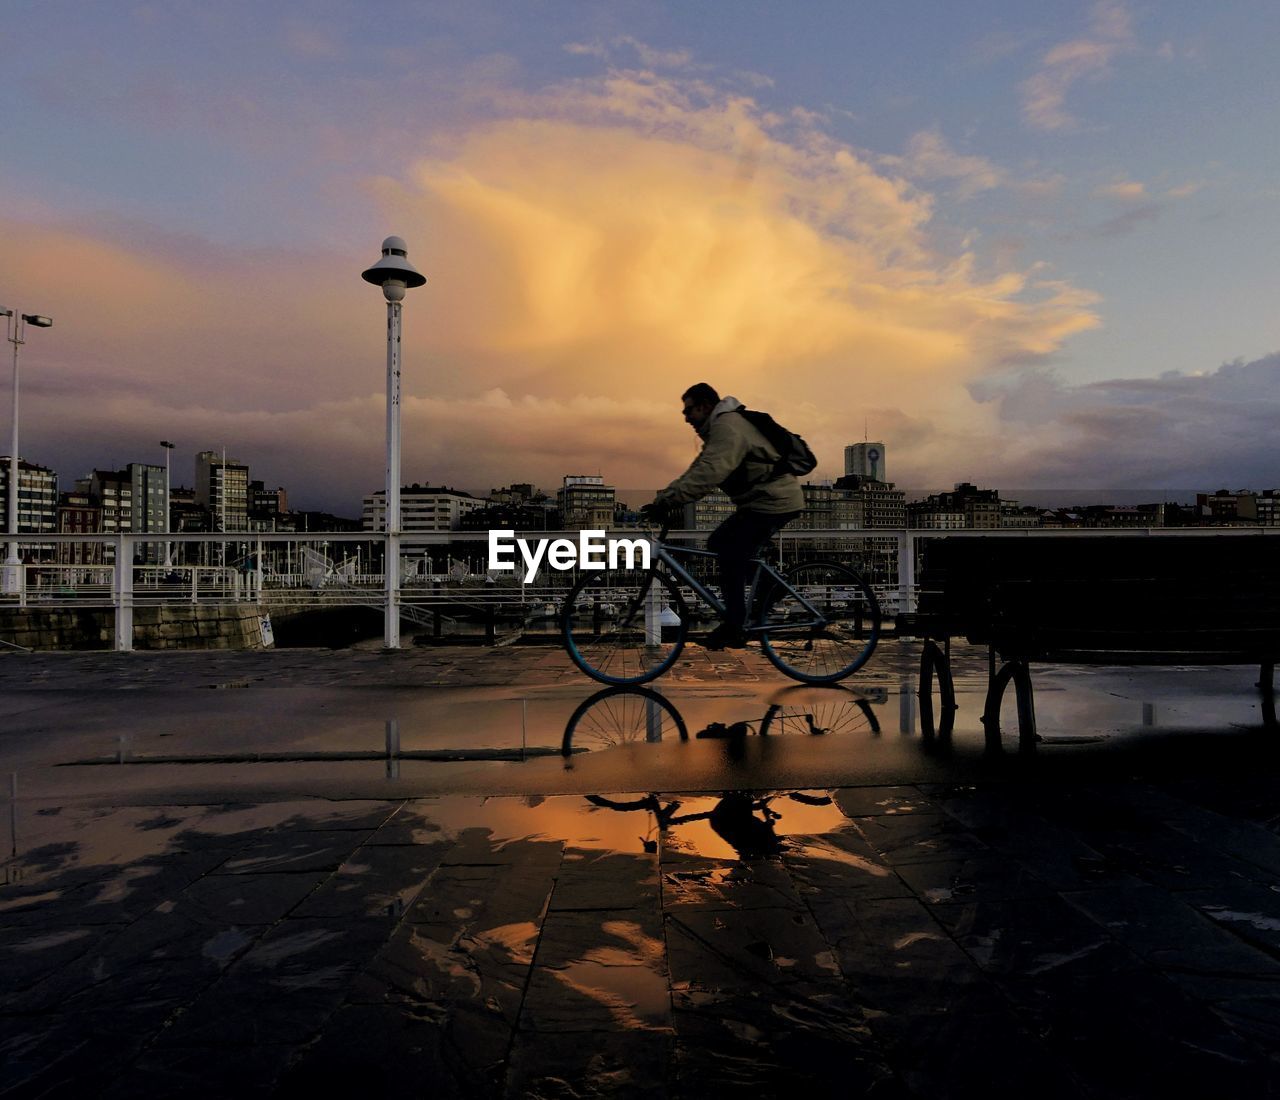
(138, 839)
(518, 940)
(570, 819)
(634, 996)
(820, 848)
(627, 977)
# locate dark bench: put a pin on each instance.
(1178, 598)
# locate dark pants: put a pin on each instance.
(736, 541)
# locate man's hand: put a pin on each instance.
(657, 514)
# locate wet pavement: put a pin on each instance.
(468, 872)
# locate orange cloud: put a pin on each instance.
(636, 234)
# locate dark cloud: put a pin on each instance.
(1209, 430)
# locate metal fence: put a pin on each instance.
(441, 585)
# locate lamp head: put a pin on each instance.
(394, 273)
(38, 320)
(6, 312)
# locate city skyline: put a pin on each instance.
(1061, 500)
(1022, 244)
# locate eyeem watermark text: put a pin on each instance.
(592, 551)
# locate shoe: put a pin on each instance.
(726, 637)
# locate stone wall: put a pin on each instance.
(185, 626)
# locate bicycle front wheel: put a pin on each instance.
(624, 626)
(822, 625)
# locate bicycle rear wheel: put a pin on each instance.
(624, 626)
(821, 709)
(823, 626)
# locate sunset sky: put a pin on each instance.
(1025, 244)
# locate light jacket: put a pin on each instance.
(737, 458)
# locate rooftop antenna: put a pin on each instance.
(865, 437)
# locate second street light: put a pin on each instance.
(15, 332)
(394, 273)
(168, 546)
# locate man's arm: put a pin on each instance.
(723, 453)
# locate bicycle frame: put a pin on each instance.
(664, 552)
(817, 623)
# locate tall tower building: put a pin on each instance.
(147, 483)
(865, 460)
(222, 486)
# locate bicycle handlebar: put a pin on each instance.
(661, 536)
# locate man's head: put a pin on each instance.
(698, 402)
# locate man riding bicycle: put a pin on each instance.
(737, 458)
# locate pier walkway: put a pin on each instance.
(309, 872)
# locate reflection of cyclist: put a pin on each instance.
(734, 821)
(737, 458)
(733, 818)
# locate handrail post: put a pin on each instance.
(653, 614)
(906, 572)
(124, 594)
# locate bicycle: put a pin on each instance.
(818, 623)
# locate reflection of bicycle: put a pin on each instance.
(622, 715)
(733, 818)
(817, 623)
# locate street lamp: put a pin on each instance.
(168, 546)
(394, 273)
(15, 331)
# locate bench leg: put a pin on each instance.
(1267, 685)
(936, 666)
(1019, 672)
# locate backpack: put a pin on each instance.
(796, 457)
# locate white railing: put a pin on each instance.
(441, 575)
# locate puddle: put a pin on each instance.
(822, 849)
(568, 819)
(518, 940)
(626, 978)
(445, 957)
(635, 997)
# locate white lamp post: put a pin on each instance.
(168, 546)
(15, 331)
(394, 273)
